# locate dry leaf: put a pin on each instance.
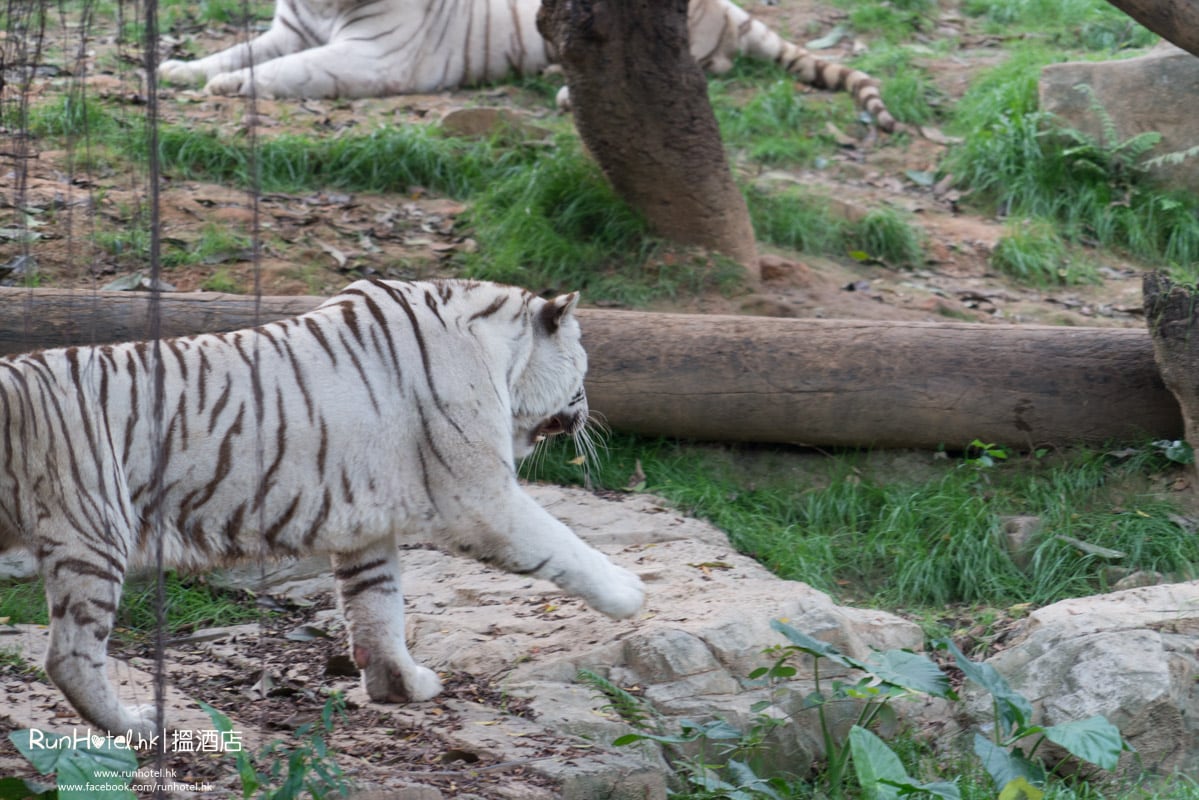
(338, 256)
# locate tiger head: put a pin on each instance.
(548, 397)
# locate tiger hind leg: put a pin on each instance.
(368, 587)
(82, 593)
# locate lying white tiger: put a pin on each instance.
(375, 48)
(391, 413)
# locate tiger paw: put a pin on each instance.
(140, 725)
(389, 682)
(620, 595)
(229, 84)
(181, 72)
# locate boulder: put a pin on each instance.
(1131, 656)
(1153, 92)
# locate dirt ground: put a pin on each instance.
(316, 243)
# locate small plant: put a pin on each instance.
(1177, 450)
(279, 772)
(739, 772)
(1093, 740)
(984, 455)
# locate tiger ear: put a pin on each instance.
(555, 312)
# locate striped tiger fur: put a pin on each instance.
(375, 48)
(392, 413)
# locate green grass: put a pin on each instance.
(894, 21)
(763, 118)
(918, 543)
(1018, 162)
(190, 603)
(1077, 24)
(1032, 252)
(223, 281)
(805, 221)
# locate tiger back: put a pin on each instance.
(392, 413)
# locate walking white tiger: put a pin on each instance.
(375, 48)
(391, 413)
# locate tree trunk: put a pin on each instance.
(1175, 21)
(817, 382)
(1174, 327)
(641, 106)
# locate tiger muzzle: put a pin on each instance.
(558, 424)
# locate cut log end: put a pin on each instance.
(1172, 314)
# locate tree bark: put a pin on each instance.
(1175, 21)
(640, 104)
(815, 382)
(1173, 321)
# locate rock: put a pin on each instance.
(1019, 531)
(1131, 656)
(1154, 92)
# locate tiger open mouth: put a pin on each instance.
(555, 425)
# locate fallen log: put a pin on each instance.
(752, 379)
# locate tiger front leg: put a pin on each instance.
(520, 536)
(278, 41)
(368, 587)
(341, 69)
(82, 595)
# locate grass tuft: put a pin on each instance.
(923, 542)
(1032, 252)
(1019, 162)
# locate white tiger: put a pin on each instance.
(392, 413)
(375, 48)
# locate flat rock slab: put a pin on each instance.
(1132, 656)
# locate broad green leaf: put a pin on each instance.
(814, 647)
(874, 762)
(716, 729)
(942, 789)
(911, 671)
(40, 747)
(86, 773)
(629, 738)
(1093, 739)
(1003, 766)
(83, 768)
(746, 778)
(1014, 708)
(1020, 789)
